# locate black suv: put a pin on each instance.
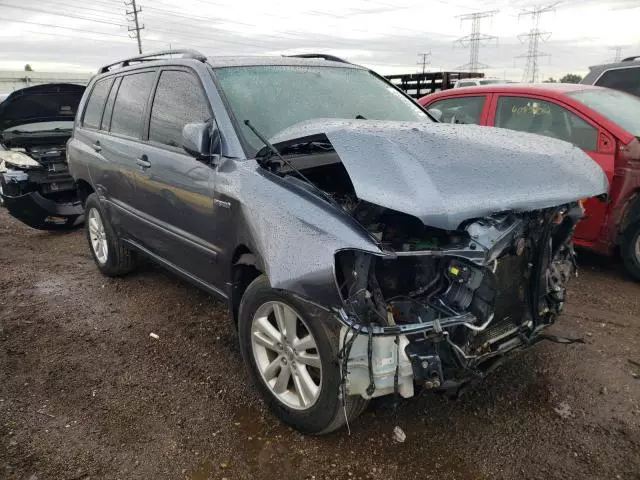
(363, 248)
(624, 76)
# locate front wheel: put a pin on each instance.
(291, 355)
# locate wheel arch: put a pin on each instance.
(245, 267)
(84, 190)
(630, 213)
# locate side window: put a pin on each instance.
(545, 118)
(460, 109)
(130, 104)
(179, 100)
(625, 79)
(108, 109)
(95, 104)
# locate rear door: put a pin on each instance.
(121, 147)
(468, 109)
(176, 189)
(88, 138)
(551, 118)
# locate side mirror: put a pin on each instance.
(196, 139)
(435, 113)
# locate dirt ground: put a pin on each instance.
(85, 392)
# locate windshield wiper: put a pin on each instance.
(274, 151)
(306, 147)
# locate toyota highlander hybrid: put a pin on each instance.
(363, 248)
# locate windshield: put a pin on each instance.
(491, 82)
(276, 97)
(619, 107)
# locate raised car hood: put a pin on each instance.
(445, 174)
(42, 103)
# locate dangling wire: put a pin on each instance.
(396, 400)
(343, 356)
(372, 383)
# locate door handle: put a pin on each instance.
(143, 162)
(96, 146)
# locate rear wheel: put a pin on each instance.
(291, 356)
(111, 256)
(630, 249)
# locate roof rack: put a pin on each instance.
(154, 56)
(631, 59)
(324, 56)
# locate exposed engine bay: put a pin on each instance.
(35, 184)
(439, 308)
(47, 170)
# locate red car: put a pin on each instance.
(604, 123)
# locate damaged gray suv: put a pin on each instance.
(363, 248)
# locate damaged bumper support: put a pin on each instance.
(378, 361)
(443, 318)
(32, 208)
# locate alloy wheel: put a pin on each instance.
(286, 355)
(98, 236)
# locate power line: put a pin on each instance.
(59, 14)
(424, 60)
(65, 28)
(533, 39)
(132, 16)
(474, 39)
(104, 14)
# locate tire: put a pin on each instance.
(114, 259)
(320, 415)
(630, 250)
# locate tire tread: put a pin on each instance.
(627, 250)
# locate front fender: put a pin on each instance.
(293, 233)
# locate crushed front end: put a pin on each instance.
(441, 308)
(35, 184)
(36, 187)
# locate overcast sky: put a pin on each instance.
(386, 35)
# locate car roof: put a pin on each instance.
(597, 70)
(250, 61)
(540, 88)
(152, 61)
(624, 63)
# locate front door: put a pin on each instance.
(549, 118)
(176, 189)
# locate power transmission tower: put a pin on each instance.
(618, 50)
(132, 16)
(533, 39)
(424, 62)
(474, 39)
